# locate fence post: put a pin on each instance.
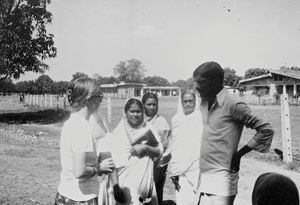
(50, 101)
(40, 101)
(31, 100)
(57, 101)
(109, 110)
(34, 99)
(286, 129)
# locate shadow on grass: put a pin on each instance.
(37, 117)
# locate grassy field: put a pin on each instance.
(29, 154)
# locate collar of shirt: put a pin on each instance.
(219, 98)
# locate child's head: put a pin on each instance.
(274, 189)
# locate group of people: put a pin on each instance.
(200, 149)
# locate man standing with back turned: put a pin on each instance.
(223, 120)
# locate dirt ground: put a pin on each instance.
(31, 176)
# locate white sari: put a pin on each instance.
(185, 149)
(135, 174)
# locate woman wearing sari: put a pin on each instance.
(134, 146)
(150, 102)
(185, 148)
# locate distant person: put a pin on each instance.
(274, 189)
(185, 147)
(224, 118)
(135, 144)
(150, 102)
(79, 183)
(21, 97)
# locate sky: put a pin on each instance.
(172, 37)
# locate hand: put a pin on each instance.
(138, 150)
(106, 166)
(175, 180)
(235, 163)
(119, 194)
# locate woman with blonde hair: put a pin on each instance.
(79, 183)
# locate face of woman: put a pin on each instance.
(151, 107)
(134, 115)
(188, 103)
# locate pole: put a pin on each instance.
(286, 129)
(109, 110)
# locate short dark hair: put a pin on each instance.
(273, 188)
(210, 70)
(148, 95)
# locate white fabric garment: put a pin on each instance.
(77, 136)
(135, 174)
(185, 149)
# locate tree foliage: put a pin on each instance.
(78, 75)
(130, 71)
(7, 85)
(156, 81)
(184, 84)
(105, 80)
(230, 77)
(37, 87)
(59, 87)
(252, 72)
(24, 41)
(44, 84)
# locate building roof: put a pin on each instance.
(256, 78)
(108, 85)
(289, 73)
(161, 87)
(114, 85)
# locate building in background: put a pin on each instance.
(125, 90)
(162, 90)
(273, 83)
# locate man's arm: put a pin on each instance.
(262, 139)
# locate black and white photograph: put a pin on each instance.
(132, 102)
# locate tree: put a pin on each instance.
(130, 71)
(252, 72)
(230, 77)
(184, 84)
(105, 80)
(32, 87)
(78, 75)
(156, 81)
(22, 87)
(60, 87)
(24, 41)
(44, 84)
(7, 86)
